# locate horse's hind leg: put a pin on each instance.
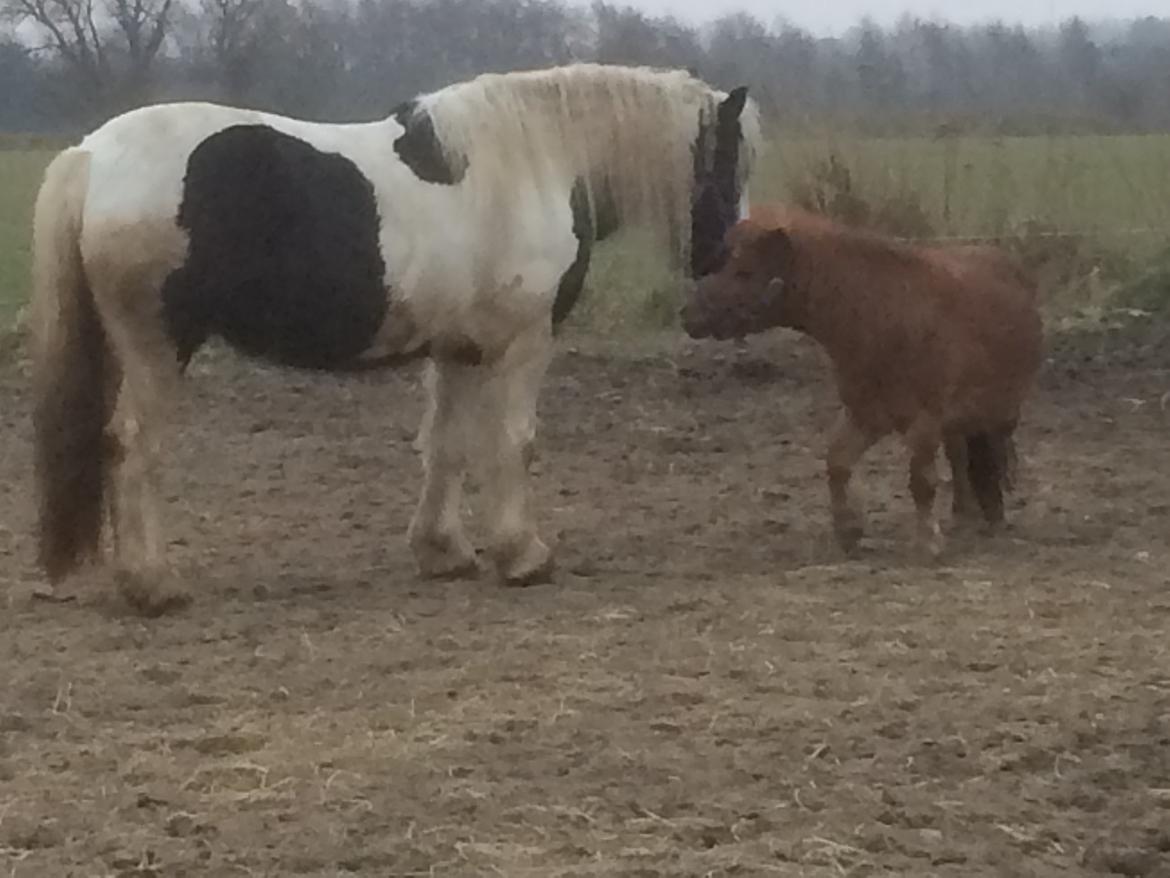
(441, 549)
(989, 455)
(964, 507)
(923, 439)
(847, 444)
(147, 381)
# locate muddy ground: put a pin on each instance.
(708, 688)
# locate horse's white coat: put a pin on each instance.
(478, 261)
(432, 236)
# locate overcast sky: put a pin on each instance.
(835, 16)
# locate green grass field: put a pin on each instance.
(20, 175)
(1114, 189)
(1108, 186)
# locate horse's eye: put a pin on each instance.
(741, 274)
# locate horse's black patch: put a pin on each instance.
(419, 147)
(715, 201)
(284, 261)
(589, 227)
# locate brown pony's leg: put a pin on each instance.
(847, 444)
(990, 453)
(441, 548)
(964, 507)
(923, 439)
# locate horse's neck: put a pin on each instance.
(823, 303)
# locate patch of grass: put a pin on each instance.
(988, 186)
(12, 141)
(20, 176)
(1150, 290)
(627, 290)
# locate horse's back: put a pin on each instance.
(993, 291)
(993, 329)
(956, 323)
(982, 264)
(139, 159)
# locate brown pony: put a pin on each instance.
(938, 344)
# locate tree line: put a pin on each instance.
(67, 64)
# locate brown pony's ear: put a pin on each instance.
(775, 251)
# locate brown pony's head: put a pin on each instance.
(746, 295)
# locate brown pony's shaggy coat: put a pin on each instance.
(938, 344)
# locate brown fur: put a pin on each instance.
(70, 388)
(930, 342)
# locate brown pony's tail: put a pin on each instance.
(992, 465)
(69, 361)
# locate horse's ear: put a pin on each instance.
(777, 251)
(733, 104)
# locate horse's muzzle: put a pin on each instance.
(694, 320)
(695, 314)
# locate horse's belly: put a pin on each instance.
(284, 259)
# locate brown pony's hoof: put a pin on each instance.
(153, 593)
(965, 517)
(965, 526)
(848, 529)
(929, 545)
(529, 562)
(530, 454)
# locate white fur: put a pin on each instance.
(137, 163)
(478, 261)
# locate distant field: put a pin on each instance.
(985, 186)
(20, 174)
(1115, 188)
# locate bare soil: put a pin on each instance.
(708, 688)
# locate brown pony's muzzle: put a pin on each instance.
(695, 315)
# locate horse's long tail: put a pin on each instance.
(992, 465)
(70, 358)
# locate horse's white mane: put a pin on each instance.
(627, 132)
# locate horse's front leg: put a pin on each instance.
(847, 444)
(923, 439)
(963, 506)
(441, 548)
(510, 433)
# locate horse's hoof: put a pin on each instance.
(152, 593)
(450, 569)
(529, 454)
(848, 532)
(525, 563)
(929, 546)
(965, 516)
(445, 557)
(965, 525)
(52, 594)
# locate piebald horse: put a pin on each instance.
(458, 228)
